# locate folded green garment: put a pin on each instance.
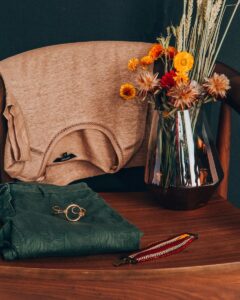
(30, 229)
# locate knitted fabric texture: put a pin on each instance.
(65, 98)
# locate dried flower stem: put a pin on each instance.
(223, 38)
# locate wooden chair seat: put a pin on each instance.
(209, 267)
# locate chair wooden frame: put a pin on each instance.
(209, 268)
(224, 126)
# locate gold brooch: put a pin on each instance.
(72, 209)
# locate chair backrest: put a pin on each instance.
(224, 128)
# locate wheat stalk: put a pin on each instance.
(199, 3)
(203, 42)
(223, 37)
(189, 17)
(214, 13)
(174, 31)
(213, 41)
(208, 5)
(200, 35)
(180, 37)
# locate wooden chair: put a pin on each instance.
(209, 268)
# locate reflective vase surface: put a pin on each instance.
(182, 169)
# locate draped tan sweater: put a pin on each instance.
(65, 99)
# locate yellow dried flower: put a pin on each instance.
(127, 91)
(183, 62)
(133, 64)
(147, 60)
(217, 85)
(181, 77)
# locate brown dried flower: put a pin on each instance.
(183, 95)
(217, 85)
(147, 82)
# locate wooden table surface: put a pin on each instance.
(208, 269)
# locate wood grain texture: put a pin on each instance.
(224, 128)
(224, 147)
(184, 287)
(234, 93)
(209, 268)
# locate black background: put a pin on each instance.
(29, 24)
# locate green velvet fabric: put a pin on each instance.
(30, 229)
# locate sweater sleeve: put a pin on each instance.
(17, 132)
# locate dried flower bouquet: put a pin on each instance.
(186, 80)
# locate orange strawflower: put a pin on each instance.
(133, 64)
(127, 91)
(181, 77)
(146, 60)
(156, 51)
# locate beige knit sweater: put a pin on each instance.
(65, 98)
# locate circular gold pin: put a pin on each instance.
(72, 209)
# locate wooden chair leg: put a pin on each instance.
(224, 146)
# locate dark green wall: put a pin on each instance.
(28, 24)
